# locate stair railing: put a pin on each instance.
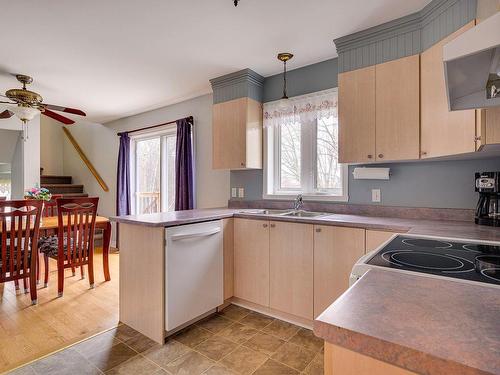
(85, 159)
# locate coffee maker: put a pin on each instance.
(488, 187)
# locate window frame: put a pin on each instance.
(163, 134)
(309, 191)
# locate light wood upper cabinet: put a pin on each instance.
(237, 134)
(397, 97)
(442, 132)
(291, 268)
(251, 260)
(488, 129)
(336, 250)
(356, 101)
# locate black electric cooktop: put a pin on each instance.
(461, 260)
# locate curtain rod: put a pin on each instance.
(189, 119)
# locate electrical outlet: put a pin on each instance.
(241, 193)
(376, 197)
(234, 192)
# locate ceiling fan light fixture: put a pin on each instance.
(25, 113)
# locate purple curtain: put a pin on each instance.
(123, 176)
(184, 187)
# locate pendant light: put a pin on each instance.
(284, 102)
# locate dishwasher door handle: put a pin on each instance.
(179, 237)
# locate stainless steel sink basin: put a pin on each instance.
(267, 212)
(304, 214)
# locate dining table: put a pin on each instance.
(50, 224)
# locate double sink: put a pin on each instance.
(288, 213)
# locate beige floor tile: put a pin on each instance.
(163, 355)
(281, 329)
(123, 332)
(264, 343)
(215, 323)
(243, 360)
(256, 320)
(234, 312)
(272, 367)
(141, 343)
(192, 363)
(68, 361)
(216, 347)
(137, 365)
(104, 341)
(107, 359)
(305, 337)
(294, 356)
(192, 336)
(238, 333)
(314, 368)
(219, 370)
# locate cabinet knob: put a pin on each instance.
(370, 156)
(242, 164)
(318, 230)
(478, 138)
(381, 156)
(423, 153)
(264, 225)
(273, 225)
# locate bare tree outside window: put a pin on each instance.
(290, 156)
(148, 175)
(328, 169)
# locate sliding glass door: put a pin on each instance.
(153, 172)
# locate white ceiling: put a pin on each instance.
(114, 58)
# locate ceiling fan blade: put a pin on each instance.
(6, 114)
(65, 109)
(58, 117)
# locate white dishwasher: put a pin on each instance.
(193, 271)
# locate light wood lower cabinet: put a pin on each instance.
(342, 361)
(228, 243)
(291, 268)
(375, 238)
(251, 260)
(336, 250)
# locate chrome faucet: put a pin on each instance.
(298, 203)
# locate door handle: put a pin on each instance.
(178, 237)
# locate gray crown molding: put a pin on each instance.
(404, 36)
(240, 84)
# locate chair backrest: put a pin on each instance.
(76, 222)
(50, 207)
(19, 226)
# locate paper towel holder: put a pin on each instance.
(367, 173)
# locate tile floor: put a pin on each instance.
(234, 341)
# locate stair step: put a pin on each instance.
(64, 188)
(75, 195)
(53, 179)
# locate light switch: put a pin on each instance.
(376, 195)
(241, 193)
(234, 192)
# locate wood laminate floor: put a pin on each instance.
(28, 332)
(235, 341)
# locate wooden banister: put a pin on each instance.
(85, 159)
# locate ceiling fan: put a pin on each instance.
(27, 104)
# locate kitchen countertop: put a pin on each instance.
(444, 228)
(420, 323)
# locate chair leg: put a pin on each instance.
(16, 283)
(60, 277)
(33, 291)
(38, 268)
(73, 270)
(82, 272)
(90, 266)
(46, 276)
(25, 285)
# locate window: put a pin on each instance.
(301, 149)
(153, 172)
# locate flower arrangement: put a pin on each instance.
(38, 194)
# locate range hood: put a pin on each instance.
(472, 67)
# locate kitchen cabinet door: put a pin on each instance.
(336, 250)
(357, 115)
(398, 109)
(489, 126)
(375, 238)
(228, 243)
(442, 132)
(251, 260)
(291, 268)
(237, 134)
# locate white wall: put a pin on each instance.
(51, 146)
(100, 143)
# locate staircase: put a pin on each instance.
(62, 185)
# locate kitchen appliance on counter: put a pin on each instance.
(463, 260)
(488, 187)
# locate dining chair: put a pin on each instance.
(74, 244)
(19, 227)
(50, 207)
